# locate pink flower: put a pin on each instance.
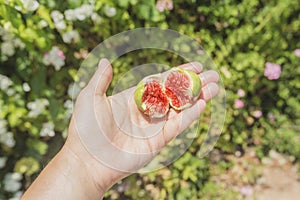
(161, 5)
(271, 116)
(246, 190)
(297, 52)
(241, 93)
(257, 114)
(46, 54)
(272, 70)
(61, 54)
(238, 104)
(170, 5)
(54, 57)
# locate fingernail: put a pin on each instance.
(213, 89)
(196, 66)
(103, 62)
(209, 76)
(203, 78)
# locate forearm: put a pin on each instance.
(65, 177)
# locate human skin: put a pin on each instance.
(76, 172)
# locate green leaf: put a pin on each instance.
(11, 15)
(39, 146)
(27, 166)
(15, 114)
(38, 82)
(123, 3)
(144, 12)
(44, 13)
(54, 107)
(29, 34)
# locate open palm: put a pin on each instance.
(116, 133)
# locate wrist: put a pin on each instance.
(65, 176)
(76, 170)
(101, 176)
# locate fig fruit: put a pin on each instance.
(178, 88)
(151, 98)
(182, 88)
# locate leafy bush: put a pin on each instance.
(43, 42)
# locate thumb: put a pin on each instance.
(102, 77)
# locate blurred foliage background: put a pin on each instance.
(254, 43)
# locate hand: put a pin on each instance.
(117, 136)
(109, 138)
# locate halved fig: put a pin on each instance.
(182, 88)
(150, 97)
(179, 89)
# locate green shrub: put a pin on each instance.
(241, 37)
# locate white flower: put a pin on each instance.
(17, 196)
(80, 13)
(58, 19)
(8, 139)
(5, 82)
(47, 129)
(65, 133)
(18, 43)
(47, 59)
(70, 15)
(74, 90)
(84, 11)
(7, 36)
(96, 18)
(7, 48)
(87, 9)
(68, 104)
(69, 108)
(110, 11)
(60, 25)
(58, 64)
(2, 162)
(82, 84)
(26, 87)
(3, 125)
(57, 16)
(37, 107)
(69, 36)
(42, 24)
(10, 42)
(54, 57)
(12, 182)
(10, 92)
(30, 5)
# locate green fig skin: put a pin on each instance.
(196, 84)
(193, 91)
(138, 94)
(138, 97)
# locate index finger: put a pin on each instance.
(193, 66)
